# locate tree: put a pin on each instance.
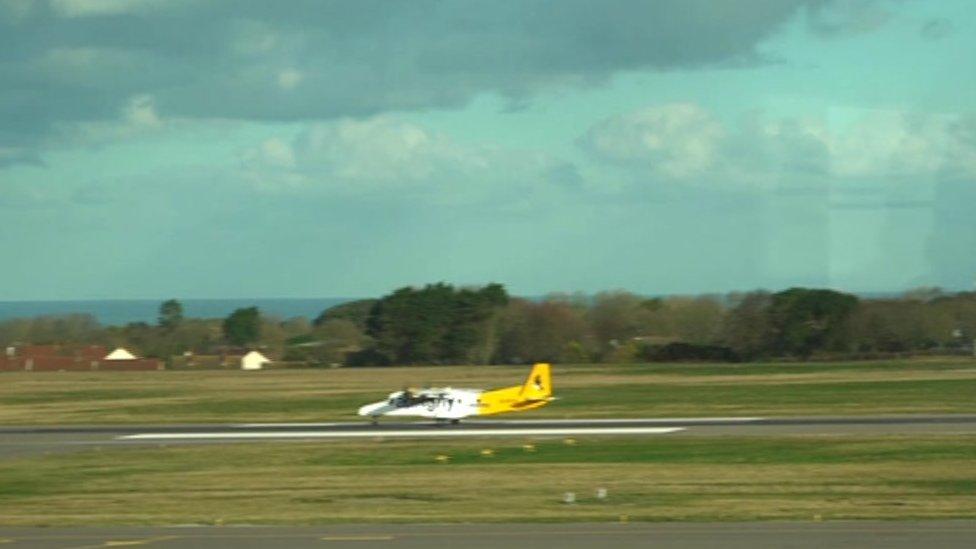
(334, 339)
(746, 327)
(694, 319)
(243, 326)
(550, 331)
(803, 321)
(471, 334)
(892, 326)
(170, 314)
(436, 323)
(615, 318)
(356, 311)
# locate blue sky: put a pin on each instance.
(206, 149)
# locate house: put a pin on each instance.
(120, 354)
(254, 361)
(78, 358)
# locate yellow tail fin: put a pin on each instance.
(538, 386)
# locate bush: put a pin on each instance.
(687, 352)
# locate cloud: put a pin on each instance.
(15, 10)
(936, 29)
(13, 155)
(383, 153)
(901, 145)
(289, 78)
(848, 17)
(674, 141)
(685, 143)
(137, 116)
(68, 62)
(91, 8)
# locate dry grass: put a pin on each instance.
(360, 482)
(592, 390)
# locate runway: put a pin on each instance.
(800, 535)
(28, 440)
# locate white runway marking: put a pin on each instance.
(260, 425)
(627, 420)
(524, 422)
(403, 434)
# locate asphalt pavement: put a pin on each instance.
(28, 440)
(799, 535)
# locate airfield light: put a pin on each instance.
(487, 452)
(569, 497)
(442, 458)
(569, 441)
(601, 493)
(528, 447)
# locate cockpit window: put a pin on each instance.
(408, 399)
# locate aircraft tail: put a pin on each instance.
(538, 386)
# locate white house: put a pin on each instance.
(254, 361)
(120, 354)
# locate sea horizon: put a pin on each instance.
(118, 312)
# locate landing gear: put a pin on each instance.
(373, 420)
(455, 421)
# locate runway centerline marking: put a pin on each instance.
(402, 434)
(359, 538)
(599, 421)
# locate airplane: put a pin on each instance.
(450, 404)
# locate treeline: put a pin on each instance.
(443, 324)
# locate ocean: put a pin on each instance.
(117, 312)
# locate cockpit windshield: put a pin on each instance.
(406, 399)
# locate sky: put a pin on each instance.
(244, 148)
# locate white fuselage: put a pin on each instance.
(446, 404)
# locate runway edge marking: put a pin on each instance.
(402, 434)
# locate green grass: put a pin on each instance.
(745, 398)
(756, 369)
(88, 395)
(687, 390)
(246, 407)
(744, 450)
(659, 478)
(649, 478)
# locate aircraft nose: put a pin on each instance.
(368, 409)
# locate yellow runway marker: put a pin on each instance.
(358, 538)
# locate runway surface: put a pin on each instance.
(800, 535)
(15, 441)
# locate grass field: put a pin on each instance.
(659, 478)
(929, 386)
(647, 478)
